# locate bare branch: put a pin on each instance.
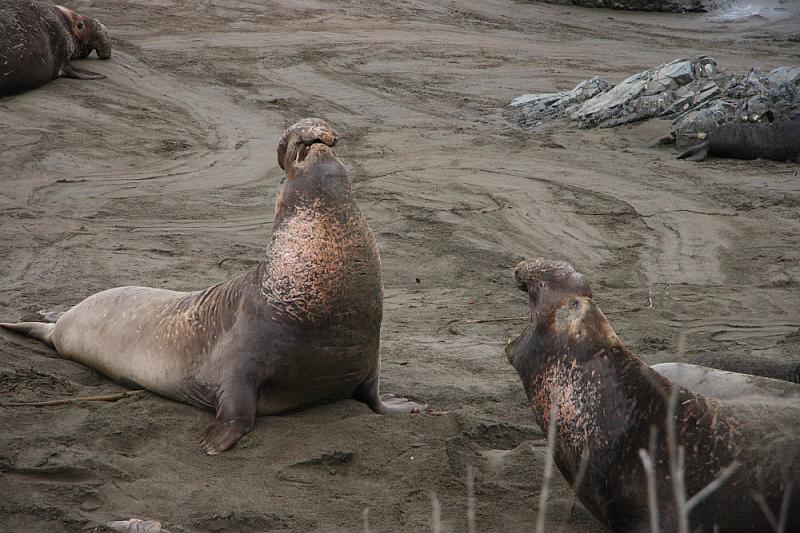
(548, 463)
(470, 500)
(365, 519)
(787, 492)
(779, 525)
(677, 456)
(767, 511)
(648, 462)
(436, 514)
(711, 487)
(65, 401)
(652, 501)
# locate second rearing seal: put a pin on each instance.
(303, 327)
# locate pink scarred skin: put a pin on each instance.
(301, 328)
(608, 402)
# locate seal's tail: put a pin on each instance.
(696, 153)
(42, 331)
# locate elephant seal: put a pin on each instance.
(757, 365)
(779, 141)
(38, 40)
(724, 385)
(608, 404)
(302, 327)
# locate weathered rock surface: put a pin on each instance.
(694, 92)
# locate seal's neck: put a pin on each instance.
(318, 184)
(602, 392)
(67, 17)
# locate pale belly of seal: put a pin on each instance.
(153, 338)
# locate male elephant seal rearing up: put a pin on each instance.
(303, 327)
(608, 403)
(779, 141)
(38, 40)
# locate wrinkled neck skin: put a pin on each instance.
(603, 392)
(322, 266)
(318, 182)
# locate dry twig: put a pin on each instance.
(365, 519)
(470, 500)
(65, 401)
(648, 461)
(436, 514)
(548, 463)
(779, 525)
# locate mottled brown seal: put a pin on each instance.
(38, 40)
(302, 327)
(607, 403)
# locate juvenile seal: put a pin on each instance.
(606, 402)
(779, 141)
(38, 40)
(303, 327)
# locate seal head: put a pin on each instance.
(38, 40)
(89, 35)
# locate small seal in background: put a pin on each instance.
(38, 40)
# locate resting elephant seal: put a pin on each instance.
(779, 141)
(757, 365)
(303, 327)
(724, 385)
(606, 402)
(38, 40)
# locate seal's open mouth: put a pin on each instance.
(304, 150)
(299, 141)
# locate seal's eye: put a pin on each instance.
(80, 25)
(575, 304)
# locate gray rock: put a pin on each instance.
(694, 92)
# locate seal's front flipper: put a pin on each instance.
(236, 415)
(696, 153)
(68, 71)
(384, 404)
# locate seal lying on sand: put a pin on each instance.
(724, 385)
(303, 327)
(777, 140)
(606, 402)
(38, 40)
(788, 370)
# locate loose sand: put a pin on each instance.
(165, 175)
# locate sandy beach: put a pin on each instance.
(164, 175)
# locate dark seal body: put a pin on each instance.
(609, 405)
(779, 141)
(38, 40)
(301, 328)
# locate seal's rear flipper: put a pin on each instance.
(37, 330)
(79, 74)
(696, 153)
